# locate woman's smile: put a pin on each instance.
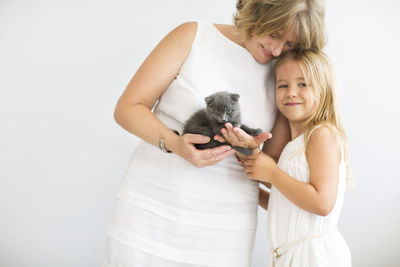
(266, 53)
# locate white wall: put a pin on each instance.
(63, 65)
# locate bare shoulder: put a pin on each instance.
(323, 140)
(189, 27)
(164, 63)
(324, 133)
(178, 42)
(185, 31)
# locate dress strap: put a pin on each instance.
(312, 130)
(318, 126)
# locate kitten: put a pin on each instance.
(222, 107)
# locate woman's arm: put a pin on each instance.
(263, 198)
(323, 156)
(280, 137)
(133, 111)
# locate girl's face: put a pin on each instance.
(295, 98)
(268, 47)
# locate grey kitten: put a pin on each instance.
(222, 107)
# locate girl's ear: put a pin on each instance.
(235, 97)
(209, 100)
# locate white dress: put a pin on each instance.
(169, 213)
(302, 238)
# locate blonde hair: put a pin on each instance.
(319, 75)
(263, 17)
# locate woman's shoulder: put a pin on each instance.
(185, 30)
(178, 41)
(188, 26)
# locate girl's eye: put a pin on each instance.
(302, 85)
(282, 86)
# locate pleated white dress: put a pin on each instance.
(302, 238)
(169, 213)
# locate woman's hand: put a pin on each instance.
(201, 158)
(260, 168)
(237, 137)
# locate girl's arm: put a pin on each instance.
(272, 146)
(323, 157)
(263, 197)
(133, 111)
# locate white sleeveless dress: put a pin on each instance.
(169, 213)
(300, 237)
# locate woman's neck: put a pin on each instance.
(231, 32)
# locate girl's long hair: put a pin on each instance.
(319, 75)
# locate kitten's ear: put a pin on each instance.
(235, 97)
(209, 100)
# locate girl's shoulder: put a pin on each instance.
(322, 137)
(324, 131)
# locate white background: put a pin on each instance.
(63, 65)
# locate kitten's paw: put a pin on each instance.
(243, 150)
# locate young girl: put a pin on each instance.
(308, 183)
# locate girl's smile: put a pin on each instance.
(292, 104)
(295, 98)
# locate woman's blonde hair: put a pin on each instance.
(319, 75)
(263, 17)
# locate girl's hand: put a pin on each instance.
(260, 168)
(201, 158)
(237, 137)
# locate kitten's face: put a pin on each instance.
(223, 107)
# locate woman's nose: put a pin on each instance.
(277, 49)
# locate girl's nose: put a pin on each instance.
(291, 92)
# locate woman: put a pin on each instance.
(196, 207)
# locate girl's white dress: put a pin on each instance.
(169, 213)
(298, 237)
